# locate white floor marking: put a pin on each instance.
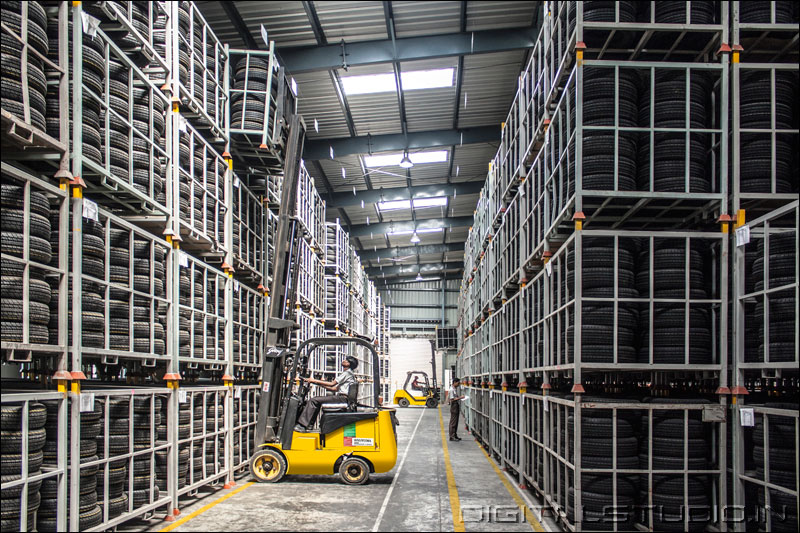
(396, 475)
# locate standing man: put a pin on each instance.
(454, 397)
(340, 386)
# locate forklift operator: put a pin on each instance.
(341, 385)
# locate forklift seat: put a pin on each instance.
(350, 406)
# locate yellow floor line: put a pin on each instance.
(455, 504)
(529, 517)
(205, 508)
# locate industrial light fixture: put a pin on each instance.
(406, 161)
(415, 238)
(419, 277)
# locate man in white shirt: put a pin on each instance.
(454, 397)
(341, 386)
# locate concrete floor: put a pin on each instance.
(419, 499)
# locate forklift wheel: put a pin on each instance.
(354, 471)
(268, 465)
(431, 402)
(402, 402)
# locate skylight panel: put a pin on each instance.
(393, 205)
(427, 79)
(385, 83)
(369, 84)
(420, 203)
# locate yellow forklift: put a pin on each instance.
(417, 390)
(353, 440)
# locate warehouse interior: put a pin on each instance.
(247, 248)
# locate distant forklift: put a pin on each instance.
(417, 389)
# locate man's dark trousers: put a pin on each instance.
(312, 408)
(455, 411)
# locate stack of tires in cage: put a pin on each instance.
(597, 256)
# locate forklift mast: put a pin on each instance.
(281, 317)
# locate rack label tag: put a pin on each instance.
(183, 259)
(747, 417)
(181, 396)
(742, 235)
(87, 402)
(90, 210)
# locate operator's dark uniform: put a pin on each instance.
(455, 411)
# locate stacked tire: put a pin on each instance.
(761, 12)
(118, 444)
(782, 304)
(755, 109)
(11, 273)
(93, 319)
(144, 316)
(90, 512)
(780, 446)
(138, 16)
(669, 324)
(668, 454)
(12, 458)
(184, 432)
(597, 438)
(597, 319)
(247, 112)
(11, 52)
(669, 150)
(598, 146)
(131, 156)
(144, 438)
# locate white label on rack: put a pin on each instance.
(742, 235)
(546, 404)
(316, 126)
(87, 402)
(183, 259)
(182, 123)
(182, 396)
(235, 286)
(331, 150)
(748, 418)
(344, 174)
(294, 87)
(265, 387)
(548, 267)
(89, 210)
(237, 392)
(236, 182)
(265, 36)
(90, 24)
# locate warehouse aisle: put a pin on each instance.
(414, 496)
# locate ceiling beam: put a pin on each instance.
(239, 24)
(366, 144)
(361, 230)
(327, 57)
(402, 251)
(348, 199)
(423, 268)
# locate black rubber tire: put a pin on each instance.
(11, 416)
(11, 441)
(11, 463)
(15, 492)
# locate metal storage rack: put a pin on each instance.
(539, 326)
(167, 276)
(764, 139)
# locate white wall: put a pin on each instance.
(411, 354)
